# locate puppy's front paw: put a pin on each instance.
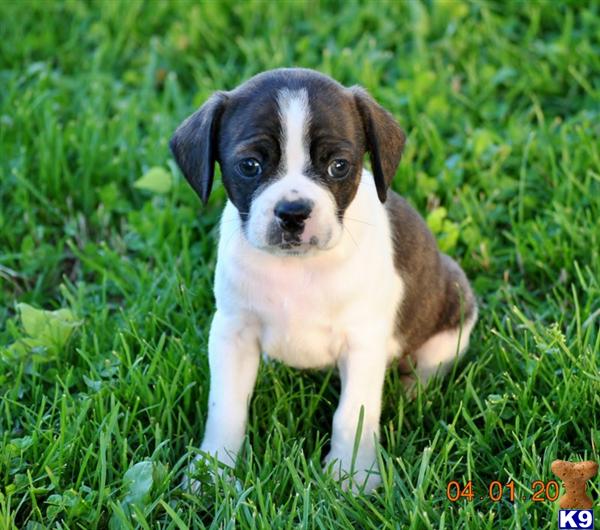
(362, 477)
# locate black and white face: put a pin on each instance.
(290, 144)
(294, 166)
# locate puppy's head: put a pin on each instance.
(290, 144)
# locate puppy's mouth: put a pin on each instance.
(304, 239)
(293, 245)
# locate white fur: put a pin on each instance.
(294, 114)
(437, 355)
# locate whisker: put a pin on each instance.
(351, 236)
(236, 232)
(358, 220)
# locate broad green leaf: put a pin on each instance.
(92, 384)
(445, 230)
(435, 219)
(36, 349)
(138, 482)
(448, 238)
(33, 319)
(50, 329)
(156, 180)
(22, 443)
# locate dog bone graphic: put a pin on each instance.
(574, 477)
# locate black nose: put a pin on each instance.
(292, 214)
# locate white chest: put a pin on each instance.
(302, 317)
(302, 326)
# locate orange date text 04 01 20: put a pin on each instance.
(496, 491)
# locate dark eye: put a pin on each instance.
(249, 168)
(338, 169)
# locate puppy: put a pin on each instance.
(319, 263)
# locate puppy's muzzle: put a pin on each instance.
(291, 215)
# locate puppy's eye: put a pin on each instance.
(249, 168)
(338, 169)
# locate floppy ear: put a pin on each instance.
(194, 144)
(385, 139)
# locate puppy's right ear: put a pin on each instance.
(194, 144)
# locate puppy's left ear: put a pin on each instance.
(194, 144)
(385, 139)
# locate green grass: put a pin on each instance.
(501, 103)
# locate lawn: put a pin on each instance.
(103, 400)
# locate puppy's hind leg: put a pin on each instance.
(438, 354)
(457, 316)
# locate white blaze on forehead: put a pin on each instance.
(294, 114)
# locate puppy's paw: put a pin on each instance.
(362, 477)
